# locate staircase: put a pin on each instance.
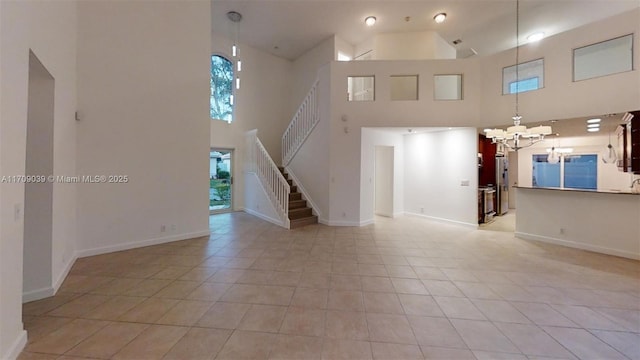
(299, 213)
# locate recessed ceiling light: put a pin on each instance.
(593, 125)
(593, 129)
(593, 121)
(370, 20)
(535, 37)
(440, 17)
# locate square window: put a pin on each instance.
(361, 88)
(447, 87)
(404, 87)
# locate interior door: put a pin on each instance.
(220, 181)
(383, 187)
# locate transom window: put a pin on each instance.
(530, 76)
(221, 102)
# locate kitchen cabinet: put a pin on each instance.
(628, 134)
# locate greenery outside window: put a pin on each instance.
(221, 101)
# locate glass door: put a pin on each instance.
(220, 181)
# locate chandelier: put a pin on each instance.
(518, 136)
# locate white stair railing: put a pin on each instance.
(272, 179)
(301, 125)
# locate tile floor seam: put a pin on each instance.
(567, 278)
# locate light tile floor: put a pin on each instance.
(406, 288)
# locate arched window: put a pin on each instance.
(221, 102)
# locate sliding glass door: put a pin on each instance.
(220, 181)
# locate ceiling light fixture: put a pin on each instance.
(535, 37)
(593, 129)
(593, 121)
(512, 137)
(440, 18)
(370, 20)
(593, 125)
(235, 18)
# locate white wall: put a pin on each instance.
(561, 98)
(38, 197)
(49, 29)
(311, 164)
(420, 45)
(257, 200)
(143, 95)
(305, 71)
(343, 47)
(372, 137)
(365, 50)
(261, 103)
(606, 223)
(345, 174)
(435, 165)
(609, 178)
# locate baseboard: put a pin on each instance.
(367, 222)
(52, 290)
(265, 217)
(578, 245)
(139, 244)
(64, 273)
(443, 220)
(304, 192)
(38, 294)
(16, 348)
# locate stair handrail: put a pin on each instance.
(272, 180)
(301, 125)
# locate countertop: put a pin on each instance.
(599, 191)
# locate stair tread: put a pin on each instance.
(302, 209)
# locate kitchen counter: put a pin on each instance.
(603, 191)
(607, 222)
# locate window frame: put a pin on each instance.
(352, 97)
(562, 171)
(460, 75)
(541, 84)
(573, 57)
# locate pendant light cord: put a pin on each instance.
(517, 55)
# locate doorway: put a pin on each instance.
(513, 178)
(220, 181)
(383, 185)
(38, 195)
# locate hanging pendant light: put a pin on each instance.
(609, 154)
(514, 135)
(236, 17)
(554, 156)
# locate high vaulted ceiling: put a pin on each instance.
(289, 28)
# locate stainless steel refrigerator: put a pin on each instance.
(502, 185)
